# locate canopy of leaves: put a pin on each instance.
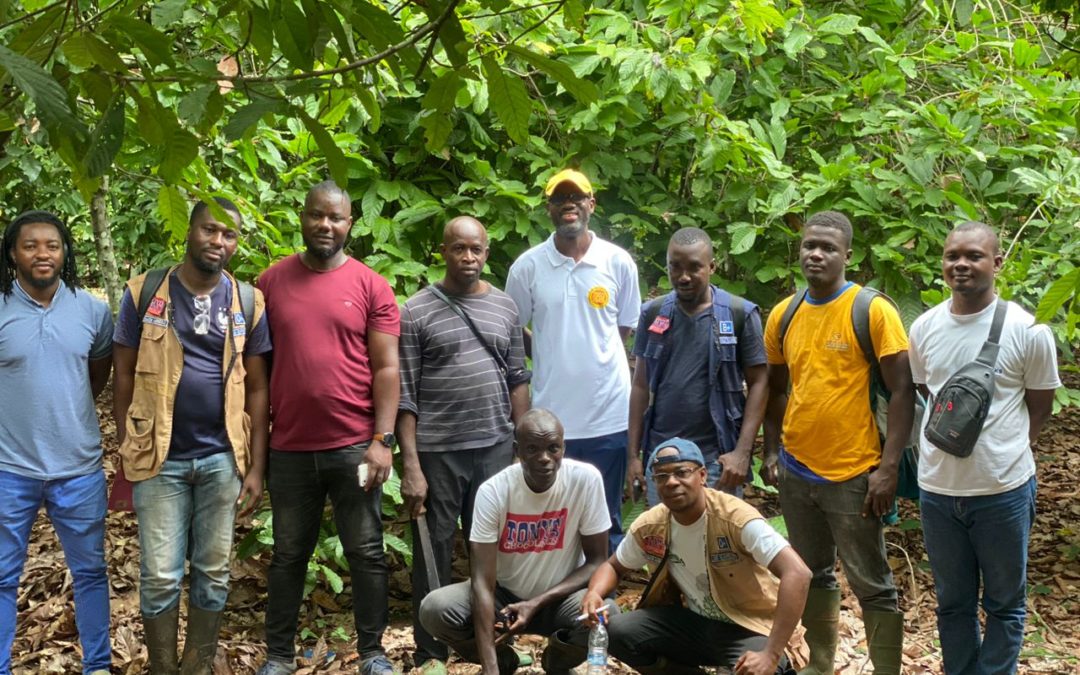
(740, 117)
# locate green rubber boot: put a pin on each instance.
(160, 637)
(885, 639)
(821, 619)
(201, 643)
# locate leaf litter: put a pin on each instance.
(46, 640)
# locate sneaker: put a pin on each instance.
(378, 665)
(272, 667)
(433, 667)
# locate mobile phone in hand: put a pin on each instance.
(362, 474)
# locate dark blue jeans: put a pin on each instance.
(76, 507)
(299, 483)
(607, 453)
(968, 538)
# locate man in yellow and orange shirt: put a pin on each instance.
(836, 477)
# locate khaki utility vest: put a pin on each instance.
(744, 590)
(157, 374)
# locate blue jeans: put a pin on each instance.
(299, 483)
(186, 512)
(607, 453)
(76, 508)
(824, 519)
(972, 537)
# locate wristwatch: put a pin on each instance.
(388, 439)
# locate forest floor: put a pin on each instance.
(46, 639)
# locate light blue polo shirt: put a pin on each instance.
(48, 424)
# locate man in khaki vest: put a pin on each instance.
(726, 588)
(192, 418)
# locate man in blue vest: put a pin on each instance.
(695, 347)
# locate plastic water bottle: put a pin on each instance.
(598, 646)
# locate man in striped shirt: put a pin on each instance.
(462, 390)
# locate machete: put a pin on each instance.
(428, 552)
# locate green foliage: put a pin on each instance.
(738, 117)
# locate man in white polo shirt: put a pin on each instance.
(581, 295)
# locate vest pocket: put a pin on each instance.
(151, 349)
(138, 449)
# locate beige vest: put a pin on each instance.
(157, 375)
(744, 590)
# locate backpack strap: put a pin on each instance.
(989, 352)
(789, 314)
(738, 313)
(860, 321)
(151, 284)
(247, 302)
(653, 311)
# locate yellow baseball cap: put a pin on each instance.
(568, 176)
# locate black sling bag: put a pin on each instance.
(958, 411)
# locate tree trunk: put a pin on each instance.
(106, 255)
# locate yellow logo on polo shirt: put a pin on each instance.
(598, 297)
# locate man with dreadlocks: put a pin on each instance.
(55, 353)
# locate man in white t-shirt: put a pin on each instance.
(582, 297)
(726, 588)
(539, 531)
(977, 511)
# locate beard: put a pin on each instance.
(206, 266)
(43, 282)
(574, 229)
(320, 251)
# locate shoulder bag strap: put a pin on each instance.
(989, 352)
(468, 322)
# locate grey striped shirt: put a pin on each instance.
(449, 380)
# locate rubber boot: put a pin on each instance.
(160, 635)
(201, 643)
(885, 640)
(505, 656)
(560, 657)
(665, 667)
(821, 619)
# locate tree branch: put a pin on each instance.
(435, 37)
(415, 37)
(30, 15)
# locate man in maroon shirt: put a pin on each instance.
(334, 392)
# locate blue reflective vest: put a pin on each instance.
(727, 398)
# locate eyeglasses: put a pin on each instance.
(560, 199)
(682, 475)
(201, 323)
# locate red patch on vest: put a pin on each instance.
(157, 307)
(660, 325)
(654, 545)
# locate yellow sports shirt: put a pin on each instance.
(828, 425)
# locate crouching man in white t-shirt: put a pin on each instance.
(539, 531)
(716, 554)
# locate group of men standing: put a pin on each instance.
(446, 378)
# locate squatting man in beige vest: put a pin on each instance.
(742, 585)
(192, 416)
